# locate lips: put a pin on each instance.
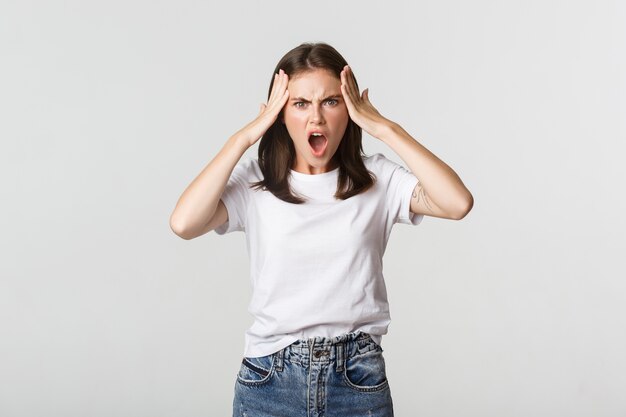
(318, 144)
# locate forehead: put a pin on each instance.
(314, 82)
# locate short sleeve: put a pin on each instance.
(400, 185)
(236, 196)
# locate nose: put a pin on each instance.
(316, 115)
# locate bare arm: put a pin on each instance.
(197, 206)
(440, 191)
(200, 209)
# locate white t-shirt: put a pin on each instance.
(316, 268)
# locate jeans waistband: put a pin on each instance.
(326, 349)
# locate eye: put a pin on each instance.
(296, 104)
(333, 100)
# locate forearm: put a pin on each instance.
(439, 181)
(197, 205)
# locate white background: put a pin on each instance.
(109, 109)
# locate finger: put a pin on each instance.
(277, 105)
(350, 85)
(279, 102)
(345, 90)
(281, 84)
(284, 98)
(354, 93)
(274, 88)
(344, 85)
(355, 88)
(347, 98)
(284, 82)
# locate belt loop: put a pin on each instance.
(340, 357)
(279, 360)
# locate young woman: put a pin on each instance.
(317, 214)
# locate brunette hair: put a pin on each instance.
(277, 153)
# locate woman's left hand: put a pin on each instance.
(361, 111)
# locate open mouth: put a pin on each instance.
(318, 144)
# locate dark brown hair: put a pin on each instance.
(277, 153)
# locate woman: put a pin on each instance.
(317, 214)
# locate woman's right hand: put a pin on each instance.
(268, 113)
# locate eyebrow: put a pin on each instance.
(335, 96)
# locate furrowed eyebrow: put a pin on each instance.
(335, 96)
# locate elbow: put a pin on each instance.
(464, 208)
(179, 229)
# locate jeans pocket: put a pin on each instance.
(366, 372)
(256, 371)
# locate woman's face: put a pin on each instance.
(315, 105)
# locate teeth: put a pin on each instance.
(316, 134)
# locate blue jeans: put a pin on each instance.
(342, 376)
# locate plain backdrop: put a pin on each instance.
(109, 109)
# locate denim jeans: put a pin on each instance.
(342, 376)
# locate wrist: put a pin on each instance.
(241, 141)
(389, 130)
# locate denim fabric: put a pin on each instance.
(342, 376)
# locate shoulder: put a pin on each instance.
(379, 163)
(377, 158)
(390, 173)
(247, 169)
